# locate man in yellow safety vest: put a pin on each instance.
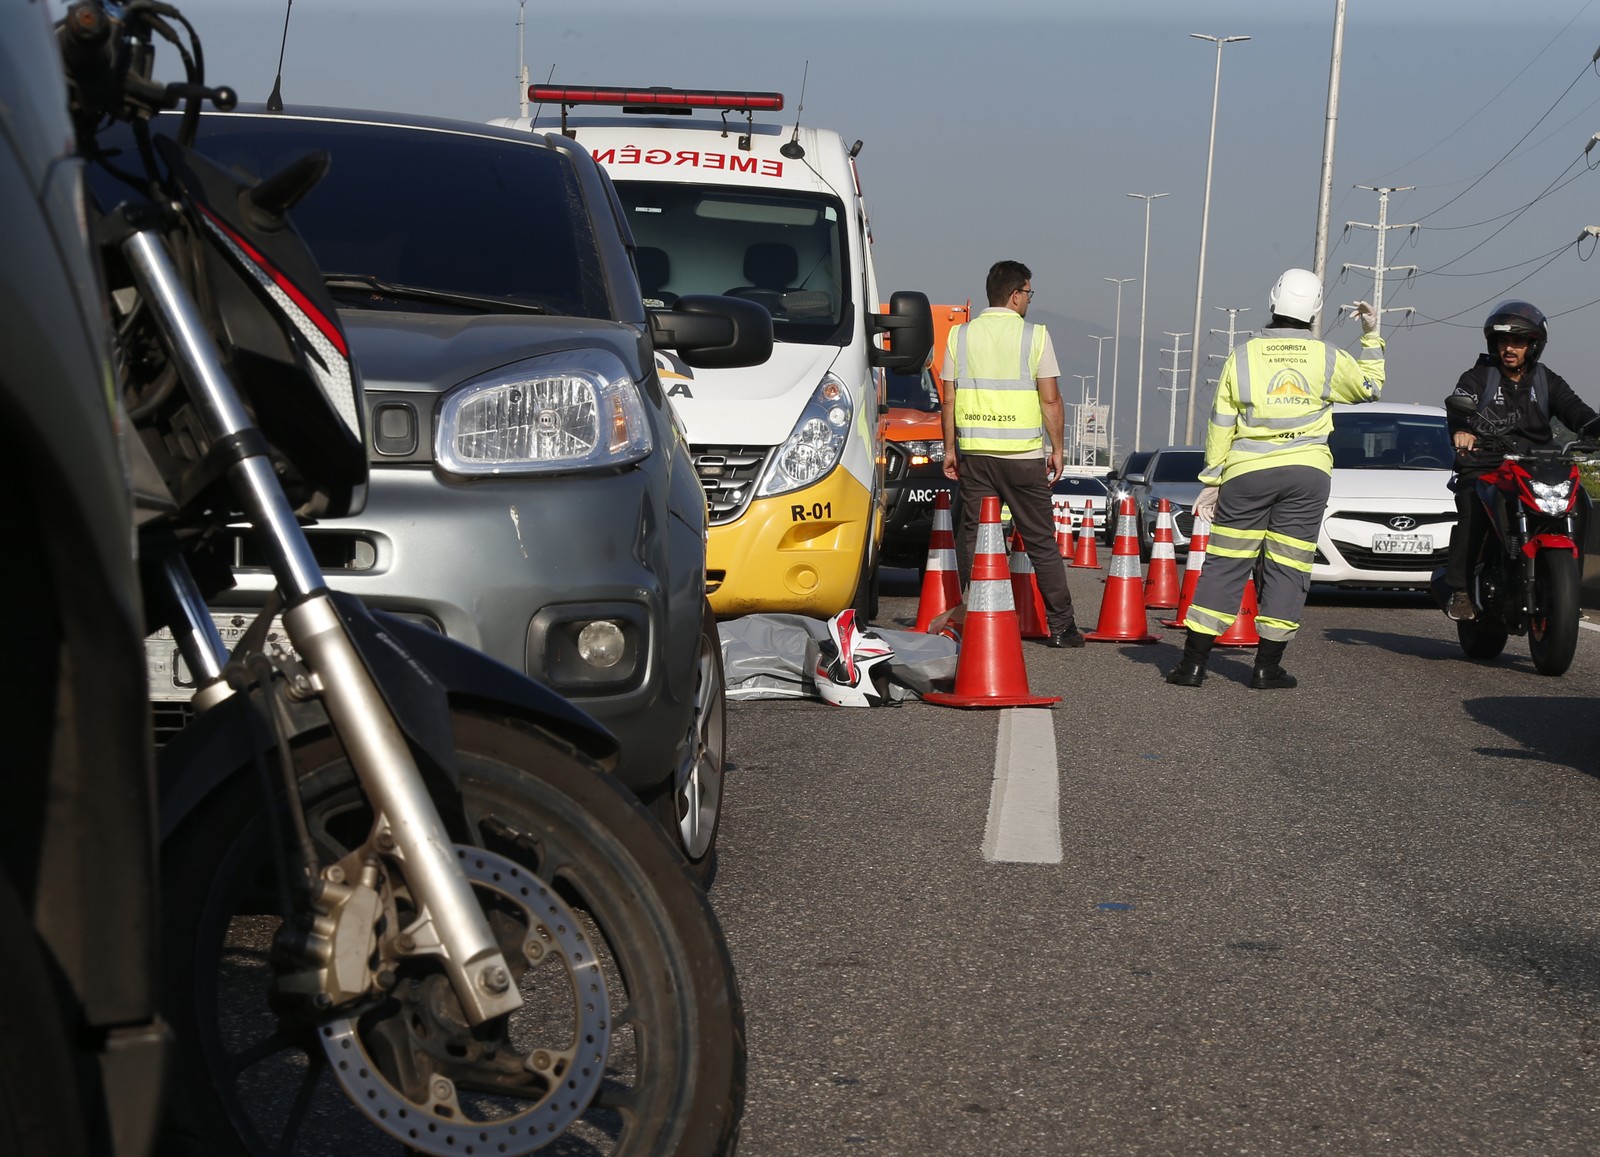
(1267, 474)
(1000, 378)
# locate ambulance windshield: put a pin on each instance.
(784, 250)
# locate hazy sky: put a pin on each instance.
(1016, 129)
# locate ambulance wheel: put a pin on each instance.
(865, 602)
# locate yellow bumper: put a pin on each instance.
(798, 554)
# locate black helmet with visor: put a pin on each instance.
(1518, 317)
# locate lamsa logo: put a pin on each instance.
(1288, 384)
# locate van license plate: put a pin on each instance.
(1402, 544)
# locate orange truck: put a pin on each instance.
(914, 446)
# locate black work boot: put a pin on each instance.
(1191, 669)
(1269, 675)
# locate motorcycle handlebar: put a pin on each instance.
(1578, 448)
(108, 56)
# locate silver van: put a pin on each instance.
(531, 491)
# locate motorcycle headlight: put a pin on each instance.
(818, 440)
(1553, 498)
(922, 453)
(576, 410)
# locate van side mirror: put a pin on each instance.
(714, 333)
(909, 324)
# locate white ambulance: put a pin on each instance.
(790, 453)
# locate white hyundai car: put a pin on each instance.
(1390, 510)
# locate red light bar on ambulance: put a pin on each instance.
(671, 98)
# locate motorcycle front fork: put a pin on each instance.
(1512, 542)
(376, 745)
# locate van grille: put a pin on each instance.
(729, 475)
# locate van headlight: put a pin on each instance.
(576, 410)
(817, 443)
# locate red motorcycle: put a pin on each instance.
(1526, 575)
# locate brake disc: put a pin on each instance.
(570, 1069)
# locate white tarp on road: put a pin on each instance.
(772, 657)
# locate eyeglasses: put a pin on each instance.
(1029, 292)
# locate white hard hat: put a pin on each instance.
(852, 664)
(1298, 295)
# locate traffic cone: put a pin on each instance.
(989, 668)
(1242, 632)
(1161, 583)
(1122, 613)
(1198, 541)
(1033, 622)
(1064, 536)
(1088, 551)
(941, 582)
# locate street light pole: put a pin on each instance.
(1144, 293)
(1111, 415)
(1205, 217)
(1116, 347)
(1329, 129)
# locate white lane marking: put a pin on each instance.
(1024, 803)
(1588, 626)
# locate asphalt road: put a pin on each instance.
(1355, 917)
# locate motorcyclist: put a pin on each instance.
(1516, 391)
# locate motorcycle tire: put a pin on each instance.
(247, 1081)
(1480, 640)
(1553, 626)
(690, 808)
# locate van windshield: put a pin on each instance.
(784, 250)
(912, 391)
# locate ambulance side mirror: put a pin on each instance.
(909, 323)
(714, 333)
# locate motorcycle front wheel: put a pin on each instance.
(1553, 625)
(251, 1081)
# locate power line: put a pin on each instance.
(1498, 94)
(1548, 189)
(1500, 296)
(1491, 272)
(1504, 156)
(1518, 213)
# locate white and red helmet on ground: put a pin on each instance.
(852, 664)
